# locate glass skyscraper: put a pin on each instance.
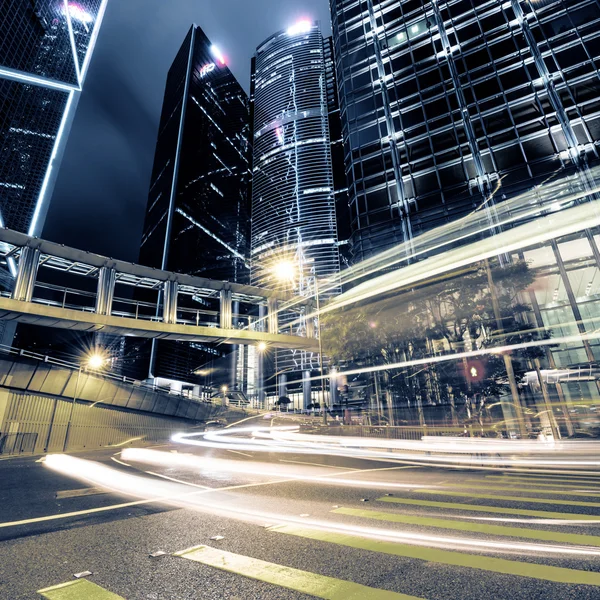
(197, 214)
(45, 50)
(445, 103)
(197, 217)
(293, 205)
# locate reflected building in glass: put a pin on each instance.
(445, 103)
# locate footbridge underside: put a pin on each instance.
(55, 286)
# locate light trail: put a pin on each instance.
(452, 452)
(102, 476)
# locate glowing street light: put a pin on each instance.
(96, 361)
(262, 346)
(284, 270)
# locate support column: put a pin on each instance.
(306, 389)
(226, 310)
(233, 364)
(333, 391)
(25, 281)
(272, 306)
(106, 290)
(282, 384)
(260, 360)
(170, 302)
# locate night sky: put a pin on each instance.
(101, 193)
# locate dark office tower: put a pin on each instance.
(340, 184)
(45, 49)
(197, 215)
(293, 206)
(197, 219)
(443, 101)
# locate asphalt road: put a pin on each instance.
(440, 534)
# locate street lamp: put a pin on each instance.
(285, 270)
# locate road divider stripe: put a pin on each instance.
(518, 532)
(306, 582)
(78, 590)
(508, 498)
(558, 475)
(500, 488)
(79, 493)
(542, 514)
(447, 557)
(566, 483)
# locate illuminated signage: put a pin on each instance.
(206, 69)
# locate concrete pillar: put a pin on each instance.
(260, 358)
(233, 358)
(106, 290)
(170, 302)
(25, 281)
(226, 312)
(282, 384)
(333, 391)
(306, 389)
(273, 315)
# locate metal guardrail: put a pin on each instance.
(13, 351)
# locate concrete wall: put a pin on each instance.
(36, 400)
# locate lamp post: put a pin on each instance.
(94, 362)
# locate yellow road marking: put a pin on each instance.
(448, 557)
(543, 514)
(563, 483)
(313, 584)
(510, 498)
(78, 493)
(78, 590)
(520, 532)
(498, 488)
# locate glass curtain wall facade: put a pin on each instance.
(197, 214)
(445, 103)
(293, 207)
(293, 186)
(45, 49)
(197, 217)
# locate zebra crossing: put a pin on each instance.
(481, 517)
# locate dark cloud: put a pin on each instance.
(101, 192)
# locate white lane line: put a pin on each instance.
(119, 461)
(242, 453)
(300, 462)
(204, 487)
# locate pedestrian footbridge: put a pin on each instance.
(61, 287)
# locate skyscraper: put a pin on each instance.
(294, 233)
(45, 50)
(445, 102)
(197, 214)
(293, 206)
(197, 218)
